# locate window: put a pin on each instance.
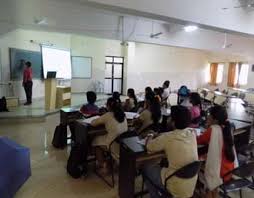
(114, 74)
(240, 74)
(220, 70)
(216, 73)
(243, 70)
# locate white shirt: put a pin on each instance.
(165, 93)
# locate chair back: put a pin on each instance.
(187, 172)
(220, 100)
(244, 171)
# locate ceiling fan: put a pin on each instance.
(248, 5)
(226, 45)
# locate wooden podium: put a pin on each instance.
(50, 93)
(63, 96)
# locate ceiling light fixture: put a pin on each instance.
(190, 28)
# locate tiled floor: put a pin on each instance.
(49, 178)
(37, 108)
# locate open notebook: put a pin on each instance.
(89, 120)
(131, 115)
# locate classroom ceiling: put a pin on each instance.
(93, 19)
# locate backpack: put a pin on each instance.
(76, 164)
(183, 91)
(60, 137)
(3, 105)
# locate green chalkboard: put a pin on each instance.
(18, 57)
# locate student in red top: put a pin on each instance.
(28, 83)
(221, 153)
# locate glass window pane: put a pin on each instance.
(243, 77)
(117, 71)
(220, 73)
(108, 86)
(109, 59)
(118, 85)
(118, 60)
(108, 71)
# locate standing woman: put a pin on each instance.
(28, 82)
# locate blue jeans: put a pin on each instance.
(153, 173)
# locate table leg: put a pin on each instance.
(127, 173)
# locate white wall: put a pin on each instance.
(97, 49)
(21, 39)
(226, 59)
(153, 64)
(79, 46)
(145, 64)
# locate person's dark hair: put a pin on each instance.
(154, 106)
(91, 97)
(28, 64)
(131, 94)
(181, 116)
(166, 83)
(116, 96)
(219, 113)
(195, 99)
(148, 90)
(117, 109)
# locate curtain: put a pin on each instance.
(232, 74)
(213, 73)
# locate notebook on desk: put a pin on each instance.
(89, 120)
(131, 115)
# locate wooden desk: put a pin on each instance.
(242, 133)
(132, 156)
(83, 131)
(68, 114)
(236, 111)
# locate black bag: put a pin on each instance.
(76, 164)
(60, 137)
(3, 105)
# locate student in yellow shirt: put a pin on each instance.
(180, 147)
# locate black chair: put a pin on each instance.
(243, 173)
(111, 159)
(187, 172)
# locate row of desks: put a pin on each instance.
(133, 154)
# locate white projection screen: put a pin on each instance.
(56, 60)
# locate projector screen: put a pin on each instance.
(56, 60)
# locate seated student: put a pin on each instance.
(131, 102)
(148, 90)
(115, 123)
(90, 108)
(221, 154)
(180, 147)
(116, 96)
(157, 93)
(195, 109)
(166, 90)
(149, 116)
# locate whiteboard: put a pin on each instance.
(81, 67)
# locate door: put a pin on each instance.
(114, 74)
